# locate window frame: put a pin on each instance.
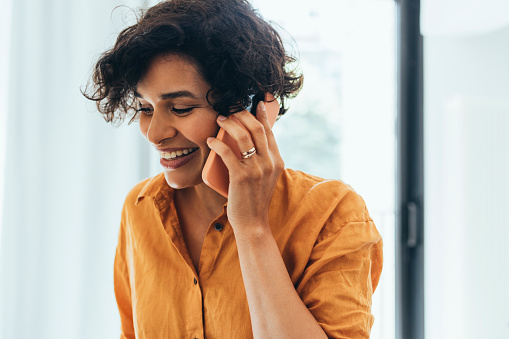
(409, 303)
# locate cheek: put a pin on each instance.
(211, 130)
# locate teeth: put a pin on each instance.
(173, 155)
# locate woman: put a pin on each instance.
(287, 255)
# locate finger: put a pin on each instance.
(226, 153)
(262, 117)
(234, 127)
(256, 130)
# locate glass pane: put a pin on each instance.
(342, 123)
(467, 185)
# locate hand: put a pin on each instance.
(252, 180)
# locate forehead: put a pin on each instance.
(170, 73)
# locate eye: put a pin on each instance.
(145, 111)
(182, 111)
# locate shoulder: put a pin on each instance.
(302, 187)
(330, 203)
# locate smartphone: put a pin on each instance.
(215, 173)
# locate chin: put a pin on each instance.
(181, 184)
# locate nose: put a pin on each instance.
(158, 127)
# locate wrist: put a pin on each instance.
(253, 233)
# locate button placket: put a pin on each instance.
(211, 246)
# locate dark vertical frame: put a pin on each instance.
(410, 175)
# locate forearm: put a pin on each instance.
(275, 308)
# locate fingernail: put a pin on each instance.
(262, 105)
(209, 139)
(221, 118)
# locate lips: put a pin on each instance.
(177, 158)
(178, 153)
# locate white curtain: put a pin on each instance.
(5, 26)
(66, 173)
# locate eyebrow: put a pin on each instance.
(171, 95)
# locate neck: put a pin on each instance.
(203, 200)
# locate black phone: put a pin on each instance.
(255, 100)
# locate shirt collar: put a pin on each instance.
(156, 188)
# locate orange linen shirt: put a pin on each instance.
(330, 246)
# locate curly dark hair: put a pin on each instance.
(237, 52)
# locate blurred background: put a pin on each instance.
(64, 172)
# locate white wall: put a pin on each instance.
(467, 185)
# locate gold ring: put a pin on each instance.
(248, 154)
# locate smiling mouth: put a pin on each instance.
(177, 154)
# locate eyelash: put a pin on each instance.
(143, 110)
(183, 111)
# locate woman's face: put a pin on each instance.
(176, 118)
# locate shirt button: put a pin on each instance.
(218, 227)
(195, 281)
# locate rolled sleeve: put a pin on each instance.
(341, 276)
